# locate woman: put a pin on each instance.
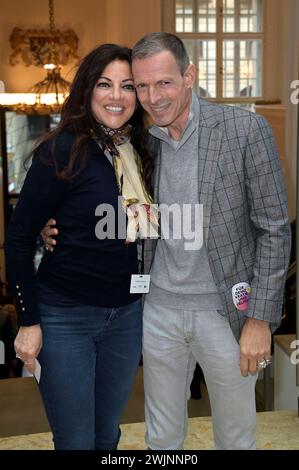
(78, 315)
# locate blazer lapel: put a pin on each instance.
(156, 176)
(151, 244)
(208, 150)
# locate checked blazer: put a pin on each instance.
(246, 225)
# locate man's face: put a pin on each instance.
(163, 91)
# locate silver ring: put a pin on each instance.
(263, 363)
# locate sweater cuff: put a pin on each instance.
(26, 305)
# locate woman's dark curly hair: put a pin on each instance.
(77, 117)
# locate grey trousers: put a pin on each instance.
(173, 340)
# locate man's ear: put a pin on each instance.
(190, 75)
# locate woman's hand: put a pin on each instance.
(47, 233)
(28, 344)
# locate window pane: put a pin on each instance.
(206, 16)
(195, 16)
(184, 12)
(242, 68)
(242, 16)
(202, 53)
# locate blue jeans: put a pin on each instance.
(89, 361)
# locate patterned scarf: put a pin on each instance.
(137, 202)
(118, 136)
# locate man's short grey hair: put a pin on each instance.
(154, 43)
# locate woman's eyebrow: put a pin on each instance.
(109, 79)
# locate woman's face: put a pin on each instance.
(113, 98)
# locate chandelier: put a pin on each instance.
(43, 48)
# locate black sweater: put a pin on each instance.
(82, 267)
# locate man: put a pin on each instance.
(198, 306)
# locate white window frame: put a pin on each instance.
(269, 37)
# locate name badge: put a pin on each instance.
(140, 283)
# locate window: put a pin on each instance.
(225, 40)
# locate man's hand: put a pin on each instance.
(28, 344)
(255, 345)
(47, 234)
